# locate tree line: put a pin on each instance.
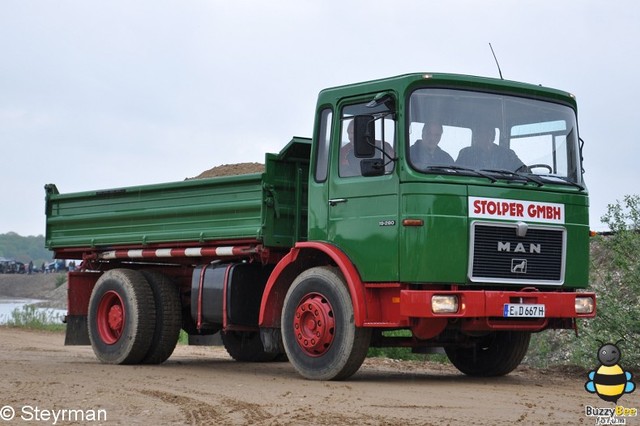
(24, 249)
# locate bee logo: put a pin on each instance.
(609, 381)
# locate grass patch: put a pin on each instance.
(183, 338)
(29, 316)
(61, 279)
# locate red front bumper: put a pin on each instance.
(484, 310)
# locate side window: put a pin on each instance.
(385, 130)
(324, 139)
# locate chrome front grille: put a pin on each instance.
(517, 253)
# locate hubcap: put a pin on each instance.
(314, 324)
(110, 317)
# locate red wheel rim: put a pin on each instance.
(110, 317)
(314, 324)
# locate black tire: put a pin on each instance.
(166, 295)
(496, 354)
(318, 327)
(246, 346)
(121, 317)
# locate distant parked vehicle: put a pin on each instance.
(10, 266)
(57, 265)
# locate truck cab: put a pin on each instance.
(459, 208)
(420, 222)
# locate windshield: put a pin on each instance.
(457, 131)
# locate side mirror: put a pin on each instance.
(372, 167)
(383, 99)
(364, 136)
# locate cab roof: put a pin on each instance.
(408, 82)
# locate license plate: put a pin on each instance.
(518, 310)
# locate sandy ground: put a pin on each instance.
(203, 386)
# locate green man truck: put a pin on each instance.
(428, 211)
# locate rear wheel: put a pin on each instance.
(168, 317)
(496, 354)
(246, 346)
(318, 327)
(121, 317)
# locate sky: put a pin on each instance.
(104, 94)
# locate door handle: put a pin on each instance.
(335, 201)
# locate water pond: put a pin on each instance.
(8, 305)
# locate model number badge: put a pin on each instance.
(387, 223)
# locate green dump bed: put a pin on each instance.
(270, 207)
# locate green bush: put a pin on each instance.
(615, 278)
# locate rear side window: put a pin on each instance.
(322, 147)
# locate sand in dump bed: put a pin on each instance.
(231, 169)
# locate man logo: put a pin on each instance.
(533, 248)
(519, 266)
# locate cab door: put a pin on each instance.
(363, 210)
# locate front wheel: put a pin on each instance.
(318, 327)
(495, 354)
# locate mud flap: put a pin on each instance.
(79, 287)
(77, 331)
(205, 340)
(271, 340)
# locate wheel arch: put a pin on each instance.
(303, 256)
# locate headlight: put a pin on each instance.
(441, 304)
(584, 305)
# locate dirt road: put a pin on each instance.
(203, 386)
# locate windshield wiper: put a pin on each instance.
(564, 180)
(460, 169)
(526, 177)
